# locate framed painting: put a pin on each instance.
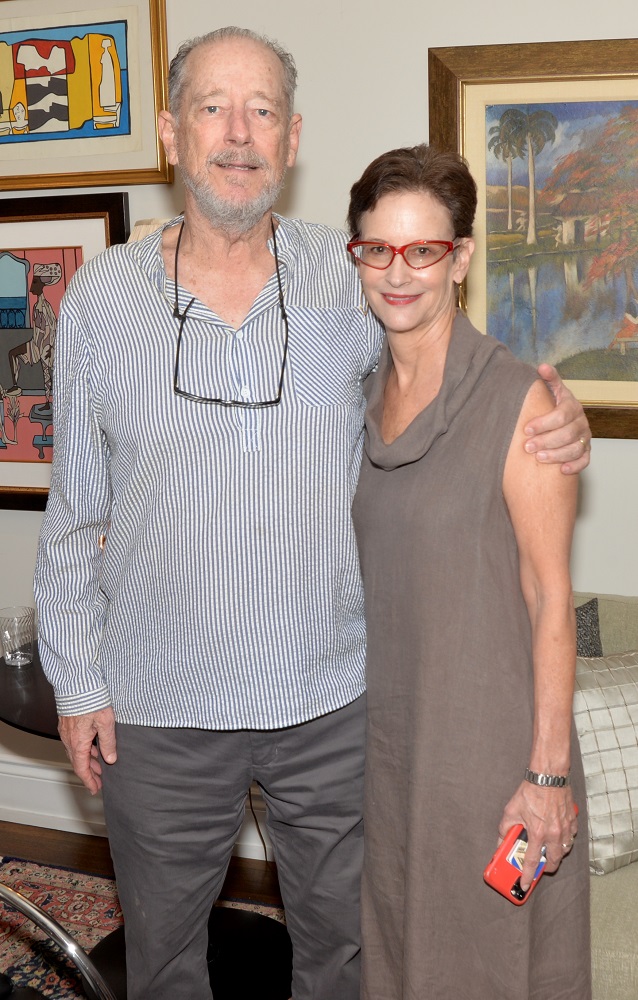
(550, 132)
(43, 241)
(81, 83)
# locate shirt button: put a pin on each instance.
(245, 392)
(240, 335)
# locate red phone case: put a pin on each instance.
(504, 870)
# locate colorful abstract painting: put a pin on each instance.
(562, 235)
(64, 82)
(32, 282)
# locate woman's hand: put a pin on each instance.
(550, 819)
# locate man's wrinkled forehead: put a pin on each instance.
(213, 69)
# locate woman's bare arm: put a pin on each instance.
(542, 506)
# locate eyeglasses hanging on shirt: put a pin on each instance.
(181, 316)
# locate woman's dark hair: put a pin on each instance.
(444, 175)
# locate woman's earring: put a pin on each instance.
(364, 305)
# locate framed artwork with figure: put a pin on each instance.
(43, 241)
(81, 83)
(550, 132)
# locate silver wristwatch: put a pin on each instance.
(547, 780)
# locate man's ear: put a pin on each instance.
(294, 133)
(166, 129)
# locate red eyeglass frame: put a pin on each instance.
(449, 244)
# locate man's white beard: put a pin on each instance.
(236, 217)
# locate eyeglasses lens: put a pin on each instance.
(417, 255)
(374, 254)
(424, 254)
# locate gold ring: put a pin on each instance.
(584, 443)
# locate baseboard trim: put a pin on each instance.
(49, 795)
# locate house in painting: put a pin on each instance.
(580, 219)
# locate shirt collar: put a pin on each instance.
(288, 242)
(148, 253)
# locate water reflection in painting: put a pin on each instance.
(562, 228)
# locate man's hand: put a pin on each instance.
(78, 733)
(563, 434)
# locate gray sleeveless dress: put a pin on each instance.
(450, 704)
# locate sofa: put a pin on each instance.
(611, 768)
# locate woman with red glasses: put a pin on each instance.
(465, 542)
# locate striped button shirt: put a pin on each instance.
(228, 592)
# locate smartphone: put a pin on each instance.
(504, 870)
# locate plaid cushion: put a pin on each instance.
(606, 714)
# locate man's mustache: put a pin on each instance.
(232, 157)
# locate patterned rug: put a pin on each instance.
(87, 908)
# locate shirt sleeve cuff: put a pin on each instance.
(83, 704)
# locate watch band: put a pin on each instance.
(547, 780)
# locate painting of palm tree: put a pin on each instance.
(562, 235)
(503, 147)
(524, 134)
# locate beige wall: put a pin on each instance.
(362, 89)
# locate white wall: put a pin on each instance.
(362, 89)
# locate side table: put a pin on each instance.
(26, 699)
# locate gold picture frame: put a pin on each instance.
(103, 73)
(465, 80)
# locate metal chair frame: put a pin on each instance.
(78, 956)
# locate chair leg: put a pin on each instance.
(78, 956)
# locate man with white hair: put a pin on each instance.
(219, 637)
